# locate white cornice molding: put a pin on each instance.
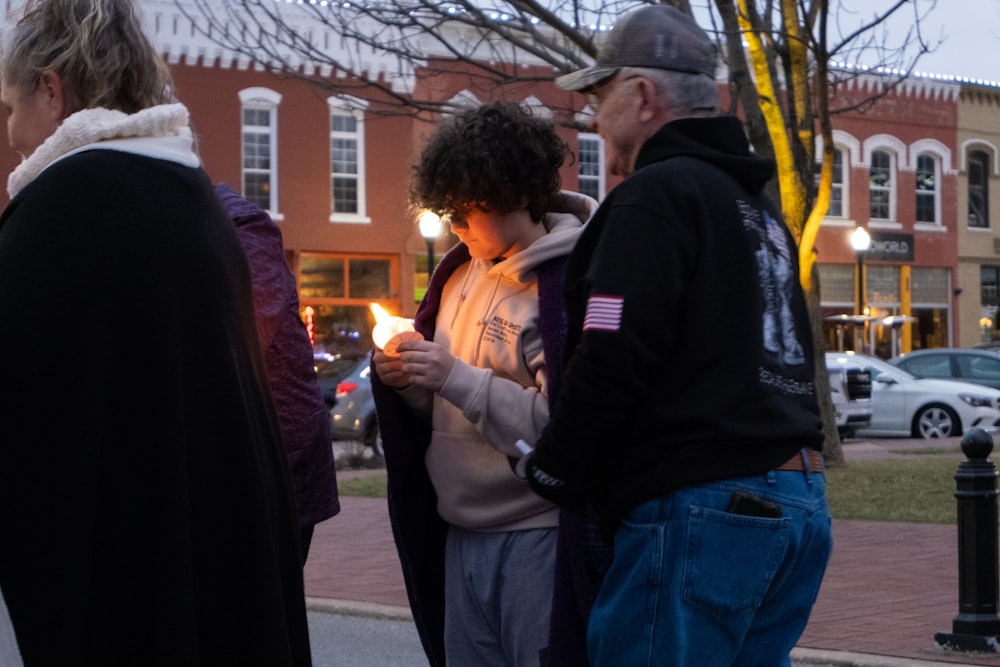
(914, 86)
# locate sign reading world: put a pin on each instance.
(891, 247)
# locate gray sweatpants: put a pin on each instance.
(498, 592)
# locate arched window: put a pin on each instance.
(836, 208)
(928, 188)
(979, 173)
(259, 132)
(880, 185)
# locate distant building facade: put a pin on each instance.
(917, 170)
(894, 175)
(977, 208)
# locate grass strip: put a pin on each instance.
(909, 490)
(918, 490)
(364, 487)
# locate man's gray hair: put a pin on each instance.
(684, 93)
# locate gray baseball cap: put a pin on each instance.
(656, 36)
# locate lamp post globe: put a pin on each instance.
(860, 241)
(430, 229)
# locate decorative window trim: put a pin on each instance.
(980, 145)
(846, 142)
(538, 109)
(263, 98)
(354, 106)
(460, 101)
(936, 148)
(885, 142)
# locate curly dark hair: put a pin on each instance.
(494, 157)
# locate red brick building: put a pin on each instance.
(333, 169)
(896, 176)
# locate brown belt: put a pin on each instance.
(797, 462)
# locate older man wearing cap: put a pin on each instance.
(688, 418)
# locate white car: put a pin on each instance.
(907, 406)
(851, 391)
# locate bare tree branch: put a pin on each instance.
(805, 55)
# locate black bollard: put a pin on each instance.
(977, 625)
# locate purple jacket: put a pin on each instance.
(303, 417)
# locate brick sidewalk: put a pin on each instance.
(889, 587)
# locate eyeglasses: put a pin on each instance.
(596, 98)
(462, 211)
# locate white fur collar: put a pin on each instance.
(162, 132)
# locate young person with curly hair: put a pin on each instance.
(477, 545)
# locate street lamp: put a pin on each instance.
(430, 229)
(860, 241)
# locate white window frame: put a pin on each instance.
(347, 105)
(889, 189)
(850, 149)
(600, 178)
(941, 154)
(936, 192)
(895, 148)
(267, 100)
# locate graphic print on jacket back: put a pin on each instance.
(776, 276)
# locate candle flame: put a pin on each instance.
(390, 330)
(380, 313)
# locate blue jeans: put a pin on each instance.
(693, 584)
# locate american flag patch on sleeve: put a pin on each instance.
(604, 313)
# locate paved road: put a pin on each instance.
(357, 641)
(340, 640)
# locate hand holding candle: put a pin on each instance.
(391, 330)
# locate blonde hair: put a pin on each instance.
(98, 49)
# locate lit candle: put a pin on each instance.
(391, 330)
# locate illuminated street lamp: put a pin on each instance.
(430, 229)
(860, 241)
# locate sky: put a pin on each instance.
(970, 30)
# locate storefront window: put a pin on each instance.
(989, 286)
(931, 328)
(335, 292)
(929, 294)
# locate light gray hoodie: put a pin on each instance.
(497, 390)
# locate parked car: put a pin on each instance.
(851, 390)
(953, 363)
(347, 388)
(908, 406)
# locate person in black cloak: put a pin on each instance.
(146, 515)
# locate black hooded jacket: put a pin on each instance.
(671, 379)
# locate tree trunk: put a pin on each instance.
(833, 453)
